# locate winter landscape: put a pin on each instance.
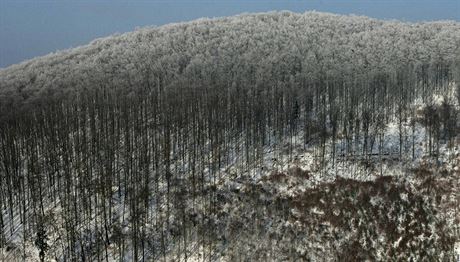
(275, 136)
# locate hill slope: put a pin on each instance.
(264, 137)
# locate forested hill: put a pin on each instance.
(247, 49)
(264, 137)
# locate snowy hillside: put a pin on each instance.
(260, 137)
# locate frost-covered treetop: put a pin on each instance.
(262, 47)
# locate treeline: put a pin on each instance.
(253, 48)
(137, 168)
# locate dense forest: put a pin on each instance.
(161, 144)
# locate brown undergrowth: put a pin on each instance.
(389, 218)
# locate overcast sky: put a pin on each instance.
(37, 27)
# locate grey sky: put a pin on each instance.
(34, 28)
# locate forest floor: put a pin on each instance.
(294, 212)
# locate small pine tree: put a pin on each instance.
(41, 241)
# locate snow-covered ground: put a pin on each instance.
(290, 177)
